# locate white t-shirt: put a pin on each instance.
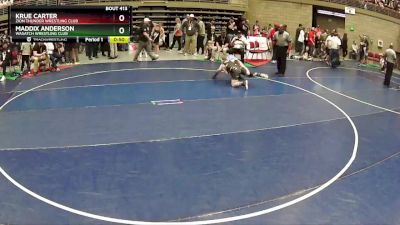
(333, 42)
(239, 43)
(49, 47)
(301, 36)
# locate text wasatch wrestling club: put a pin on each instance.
(44, 28)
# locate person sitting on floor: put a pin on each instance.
(39, 55)
(222, 43)
(210, 50)
(211, 45)
(238, 43)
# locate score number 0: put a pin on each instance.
(121, 18)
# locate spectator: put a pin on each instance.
(91, 50)
(5, 59)
(305, 55)
(284, 27)
(163, 37)
(39, 55)
(210, 29)
(55, 57)
(243, 26)
(113, 51)
(4, 37)
(344, 45)
(256, 29)
(318, 31)
(324, 36)
(231, 29)
(354, 50)
(104, 47)
(191, 29)
(144, 40)
(62, 51)
(222, 42)
(328, 47)
(211, 46)
(318, 44)
(238, 44)
(271, 36)
(177, 34)
(382, 62)
(299, 41)
(246, 28)
(363, 49)
(311, 41)
(26, 51)
(69, 52)
(183, 34)
(156, 35)
(95, 50)
(269, 28)
(201, 36)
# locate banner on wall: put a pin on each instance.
(350, 10)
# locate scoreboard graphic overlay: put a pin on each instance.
(70, 24)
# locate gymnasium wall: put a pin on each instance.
(292, 12)
(376, 29)
(270, 12)
(331, 22)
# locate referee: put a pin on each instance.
(282, 40)
(390, 58)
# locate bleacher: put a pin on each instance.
(369, 5)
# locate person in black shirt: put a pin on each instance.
(190, 29)
(344, 45)
(144, 40)
(231, 29)
(56, 57)
(243, 26)
(299, 45)
(222, 42)
(210, 29)
(5, 57)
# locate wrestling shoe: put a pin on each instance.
(246, 84)
(155, 57)
(2, 79)
(263, 75)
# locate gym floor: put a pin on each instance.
(163, 142)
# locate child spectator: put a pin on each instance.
(26, 52)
